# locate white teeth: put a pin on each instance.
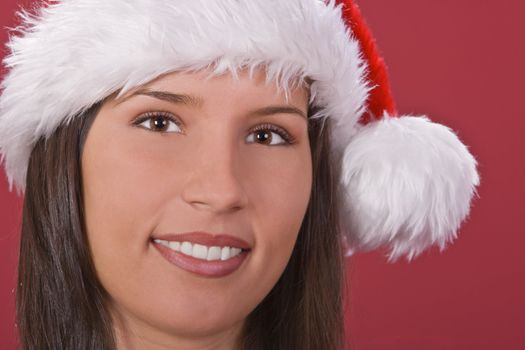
(186, 248)
(160, 241)
(174, 246)
(235, 251)
(214, 253)
(225, 253)
(200, 251)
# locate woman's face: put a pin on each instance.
(206, 160)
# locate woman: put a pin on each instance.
(190, 169)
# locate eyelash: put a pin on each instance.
(289, 139)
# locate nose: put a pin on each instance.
(214, 183)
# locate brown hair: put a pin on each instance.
(61, 304)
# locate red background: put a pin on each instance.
(460, 62)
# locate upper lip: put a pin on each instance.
(206, 238)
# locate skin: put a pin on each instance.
(208, 174)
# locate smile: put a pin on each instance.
(200, 251)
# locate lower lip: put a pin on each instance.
(212, 268)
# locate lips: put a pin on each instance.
(176, 249)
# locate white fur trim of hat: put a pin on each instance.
(407, 182)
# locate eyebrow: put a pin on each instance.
(168, 97)
(198, 102)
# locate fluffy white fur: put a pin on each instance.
(77, 52)
(408, 182)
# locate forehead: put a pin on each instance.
(196, 87)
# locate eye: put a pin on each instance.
(158, 122)
(264, 134)
(163, 122)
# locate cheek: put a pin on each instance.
(281, 203)
(121, 205)
(280, 206)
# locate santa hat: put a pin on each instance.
(407, 181)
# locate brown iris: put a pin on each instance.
(263, 136)
(159, 123)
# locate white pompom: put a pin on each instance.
(407, 183)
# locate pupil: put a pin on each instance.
(263, 136)
(159, 122)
